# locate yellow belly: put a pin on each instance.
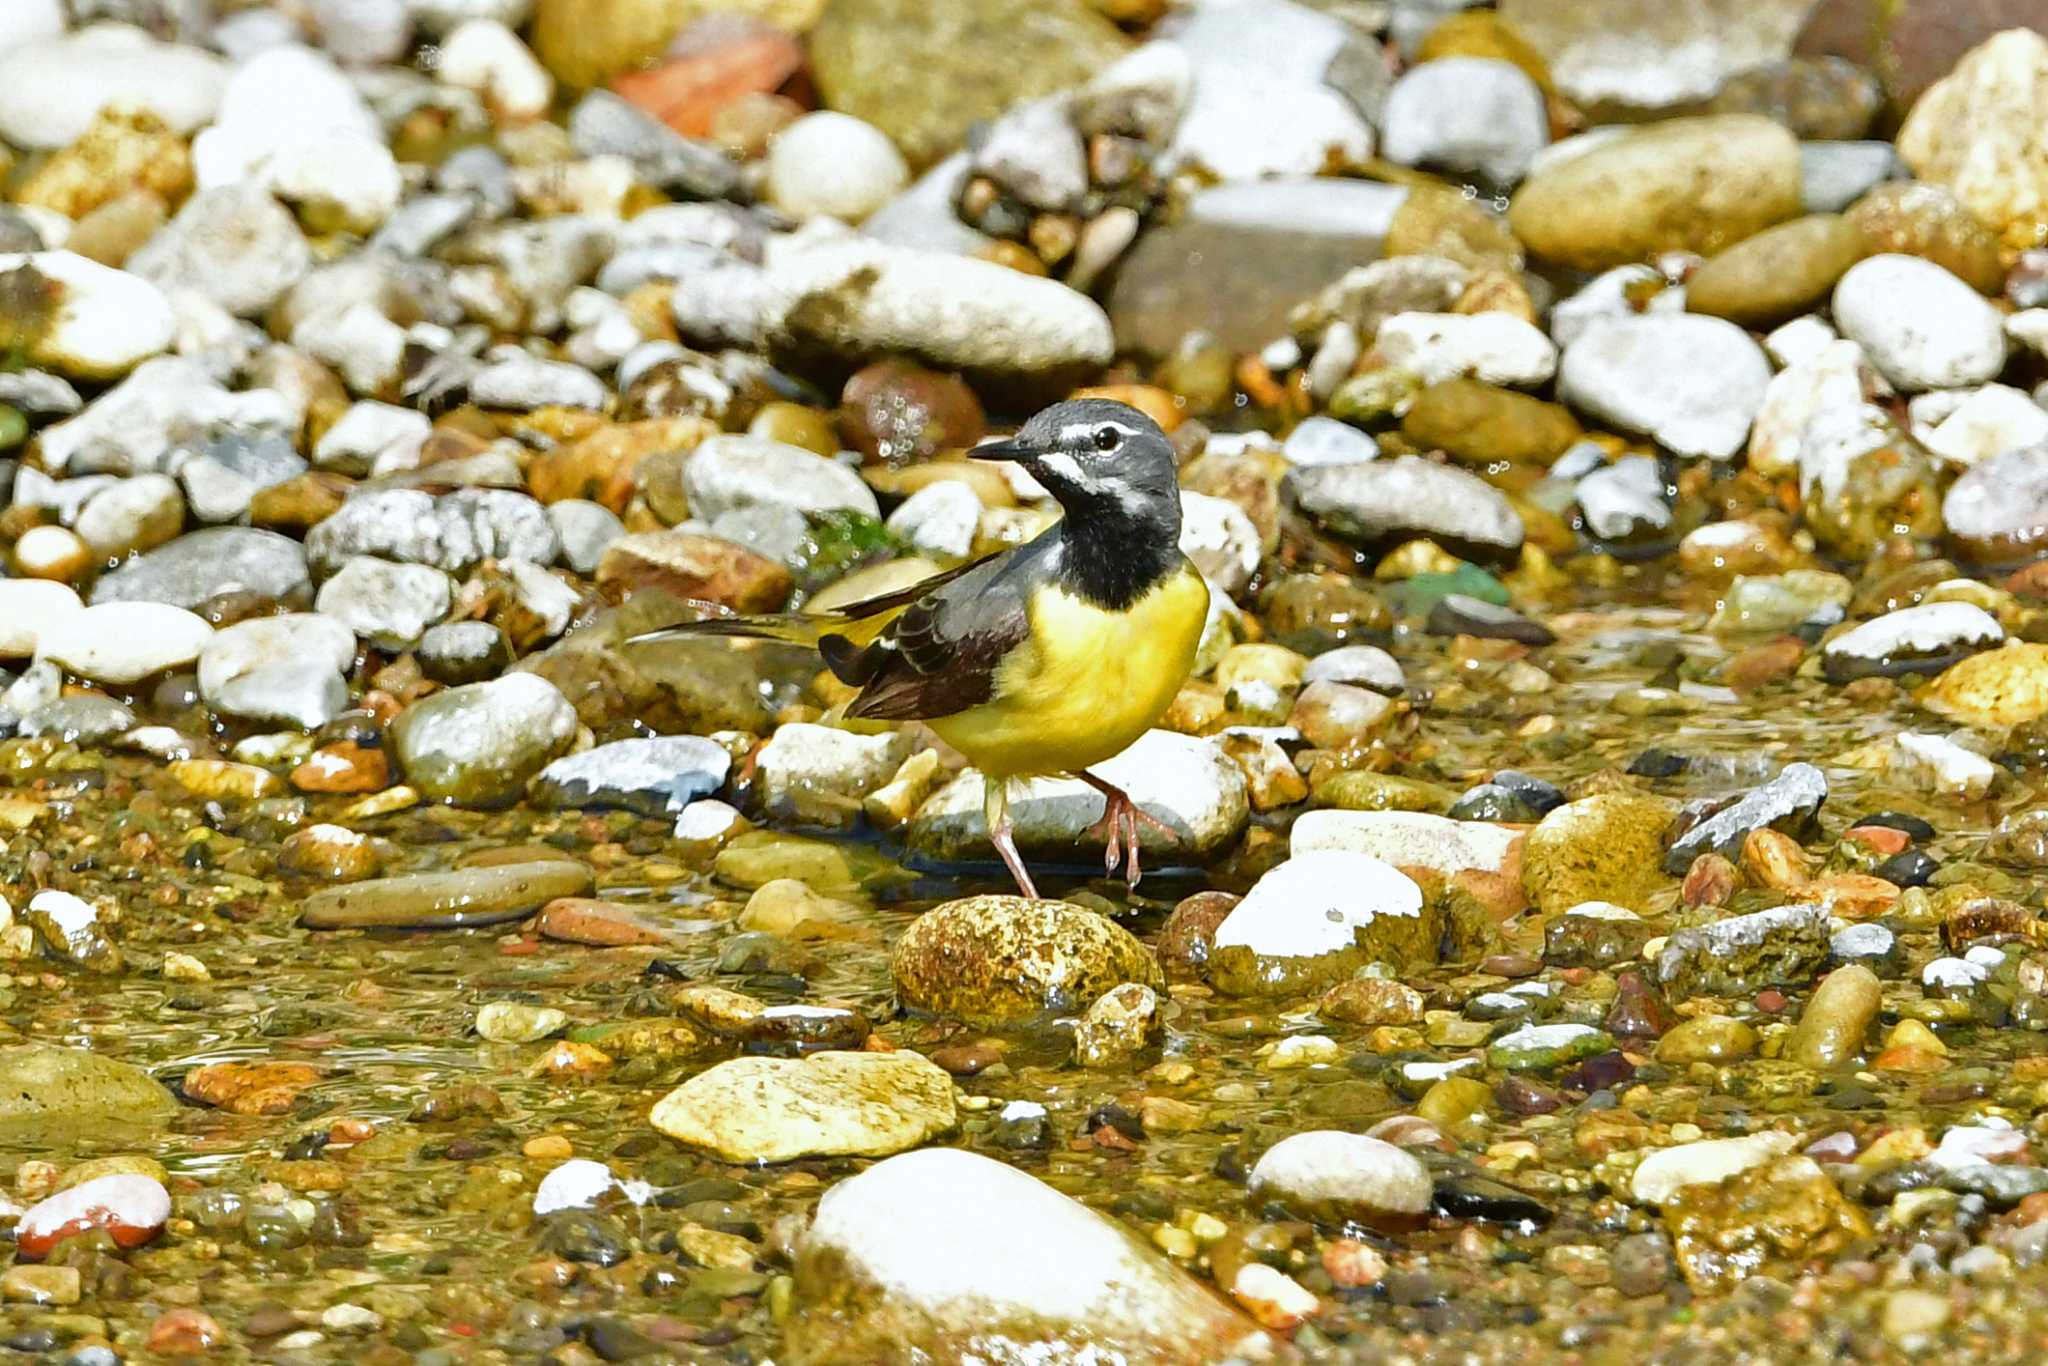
(1087, 684)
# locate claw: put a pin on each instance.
(1118, 828)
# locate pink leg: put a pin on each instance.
(1118, 827)
(995, 810)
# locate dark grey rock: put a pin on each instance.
(1783, 946)
(602, 124)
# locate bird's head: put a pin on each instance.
(1096, 455)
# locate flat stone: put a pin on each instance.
(826, 1105)
(466, 897)
(1738, 955)
(1381, 500)
(206, 564)
(1326, 1172)
(1693, 384)
(1789, 802)
(48, 1088)
(124, 642)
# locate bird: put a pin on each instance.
(1049, 657)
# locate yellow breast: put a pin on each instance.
(1086, 683)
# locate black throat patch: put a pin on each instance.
(1112, 556)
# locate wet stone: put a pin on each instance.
(1002, 958)
(655, 777)
(1736, 956)
(1318, 917)
(1923, 639)
(772, 1110)
(472, 896)
(1546, 1048)
(1789, 802)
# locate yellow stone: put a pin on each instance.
(1995, 690)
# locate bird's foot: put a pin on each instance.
(1118, 828)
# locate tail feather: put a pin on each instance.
(793, 628)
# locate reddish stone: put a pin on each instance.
(185, 1333)
(250, 1088)
(696, 568)
(1881, 840)
(687, 92)
(601, 924)
(130, 1207)
(344, 767)
(897, 413)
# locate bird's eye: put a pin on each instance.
(1107, 438)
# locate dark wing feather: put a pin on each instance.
(941, 655)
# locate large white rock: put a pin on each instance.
(1182, 780)
(1921, 326)
(1996, 419)
(1220, 538)
(947, 1255)
(124, 642)
(105, 321)
(855, 297)
(1407, 839)
(1691, 383)
(1261, 104)
(51, 89)
(818, 774)
(1498, 348)
(1809, 400)
(28, 21)
(1315, 903)
(29, 607)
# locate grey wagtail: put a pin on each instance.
(1042, 659)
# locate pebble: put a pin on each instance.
(207, 564)
(732, 472)
(1693, 384)
(1001, 958)
(515, 1022)
(866, 298)
(1188, 783)
(287, 668)
(1492, 347)
(1378, 500)
(389, 605)
(29, 607)
(486, 895)
(54, 87)
(1831, 1028)
(1921, 326)
(1663, 1174)
(817, 775)
(234, 244)
(479, 744)
(124, 642)
(102, 322)
(888, 1248)
(1471, 114)
(1995, 419)
(1688, 184)
(656, 776)
(1315, 917)
(1326, 1172)
(1921, 639)
(1737, 955)
(1788, 802)
(1996, 510)
(834, 165)
(826, 1105)
(131, 1209)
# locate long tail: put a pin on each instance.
(794, 628)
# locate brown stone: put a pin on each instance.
(698, 568)
(1779, 273)
(1917, 219)
(343, 767)
(601, 924)
(125, 149)
(1481, 423)
(602, 467)
(250, 1088)
(897, 412)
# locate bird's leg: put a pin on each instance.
(995, 809)
(1118, 827)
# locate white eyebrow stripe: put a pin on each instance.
(1083, 431)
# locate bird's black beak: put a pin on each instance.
(1020, 451)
